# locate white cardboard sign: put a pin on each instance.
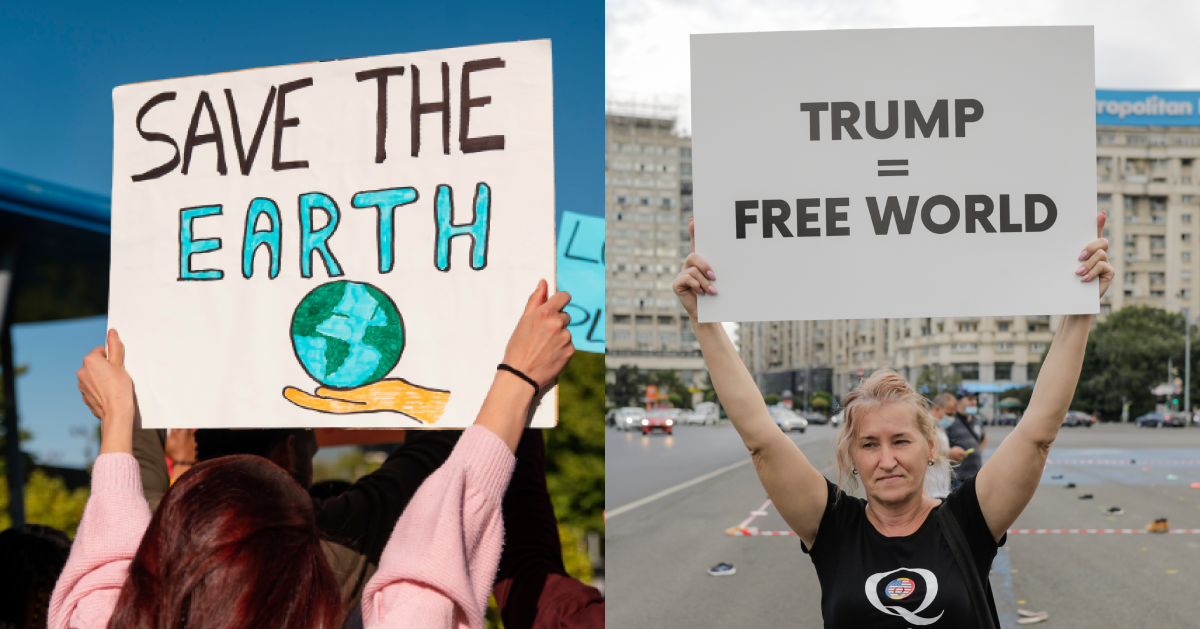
(334, 244)
(845, 174)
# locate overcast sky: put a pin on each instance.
(1138, 44)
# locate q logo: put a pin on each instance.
(899, 589)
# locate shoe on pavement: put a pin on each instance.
(1159, 526)
(1028, 617)
(722, 570)
(1085, 496)
(1070, 485)
(1114, 511)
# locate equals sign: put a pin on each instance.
(893, 162)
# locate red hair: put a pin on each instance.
(233, 544)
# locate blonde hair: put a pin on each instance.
(880, 389)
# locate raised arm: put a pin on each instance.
(1007, 481)
(798, 490)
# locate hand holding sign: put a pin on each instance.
(696, 278)
(540, 346)
(108, 392)
(1096, 258)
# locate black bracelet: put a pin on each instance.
(517, 373)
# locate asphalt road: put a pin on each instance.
(657, 551)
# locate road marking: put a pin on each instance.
(699, 479)
(666, 492)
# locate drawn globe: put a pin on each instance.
(347, 334)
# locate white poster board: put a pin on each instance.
(336, 244)
(976, 146)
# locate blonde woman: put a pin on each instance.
(899, 558)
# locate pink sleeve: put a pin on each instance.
(114, 522)
(438, 567)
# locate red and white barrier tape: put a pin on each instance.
(754, 532)
(1122, 462)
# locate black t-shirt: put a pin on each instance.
(872, 581)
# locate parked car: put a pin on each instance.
(1077, 418)
(787, 419)
(1157, 420)
(1007, 419)
(836, 420)
(662, 420)
(814, 417)
(629, 418)
(705, 413)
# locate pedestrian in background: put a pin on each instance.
(937, 479)
(966, 432)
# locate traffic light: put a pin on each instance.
(1175, 402)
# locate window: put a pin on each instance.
(1130, 240)
(968, 371)
(1104, 161)
(1003, 327)
(1130, 256)
(1185, 293)
(668, 337)
(1158, 242)
(1157, 257)
(1004, 371)
(666, 202)
(968, 327)
(620, 318)
(1158, 204)
(1130, 278)
(1157, 279)
(1104, 197)
(685, 169)
(1106, 233)
(1158, 293)
(622, 301)
(1187, 198)
(964, 348)
(1105, 309)
(1131, 219)
(685, 152)
(1185, 237)
(621, 335)
(645, 336)
(643, 200)
(622, 200)
(645, 319)
(1004, 348)
(1037, 347)
(665, 320)
(1185, 275)
(1186, 255)
(1186, 218)
(1158, 219)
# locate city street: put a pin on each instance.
(671, 500)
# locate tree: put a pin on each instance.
(821, 401)
(628, 388)
(1126, 357)
(930, 383)
(47, 501)
(575, 448)
(771, 399)
(669, 382)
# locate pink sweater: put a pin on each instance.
(436, 571)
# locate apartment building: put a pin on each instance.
(1147, 180)
(648, 201)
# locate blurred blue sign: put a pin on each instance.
(1145, 109)
(581, 273)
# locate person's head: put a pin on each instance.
(943, 406)
(886, 439)
(234, 543)
(33, 556)
(966, 402)
(292, 449)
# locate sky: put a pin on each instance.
(1138, 44)
(62, 60)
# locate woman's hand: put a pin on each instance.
(540, 346)
(1095, 258)
(696, 278)
(108, 392)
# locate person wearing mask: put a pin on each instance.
(898, 541)
(235, 541)
(937, 481)
(966, 432)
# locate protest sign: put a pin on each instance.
(581, 273)
(894, 173)
(335, 244)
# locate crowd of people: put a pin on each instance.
(225, 528)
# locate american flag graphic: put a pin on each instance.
(900, 588)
